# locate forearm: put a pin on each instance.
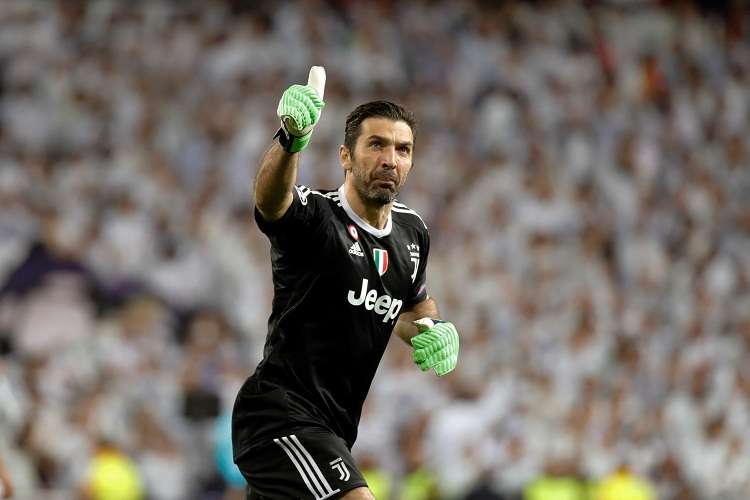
(405, 328)
(274, 181)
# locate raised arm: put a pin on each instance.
(274, 181)
(299, 111)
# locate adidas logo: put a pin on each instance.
(355, 249)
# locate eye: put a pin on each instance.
(404, 150)
(376, 144)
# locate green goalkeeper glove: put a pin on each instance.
(436, 345)
(299, 111)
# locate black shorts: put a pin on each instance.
(307, 464)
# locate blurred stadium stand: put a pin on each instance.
(584, 168)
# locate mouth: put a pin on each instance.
(386, 182)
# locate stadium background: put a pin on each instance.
(585, 172)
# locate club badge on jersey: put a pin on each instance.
(381, 260)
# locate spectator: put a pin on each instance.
(623, 485)
(586, 166)
(112, 475)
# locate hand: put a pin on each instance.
(436, 346)
(299, 110)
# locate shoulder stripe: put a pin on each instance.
(408, 211)
(304, 191)
(334, 197)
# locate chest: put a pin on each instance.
(372, 267)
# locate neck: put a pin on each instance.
(375, 215)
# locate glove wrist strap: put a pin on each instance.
(290, 143)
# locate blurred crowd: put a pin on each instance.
(584, 168)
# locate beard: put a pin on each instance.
(372, 192)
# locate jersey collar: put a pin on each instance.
(360, 221)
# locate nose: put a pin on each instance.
(388, 158)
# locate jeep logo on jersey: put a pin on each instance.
(381, 260)
(383, 305)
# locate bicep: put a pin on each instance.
(303, 213)
(278, 211)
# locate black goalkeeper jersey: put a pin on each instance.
(339, 286)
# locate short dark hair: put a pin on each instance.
(378, 109)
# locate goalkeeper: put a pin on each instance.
(349, 269)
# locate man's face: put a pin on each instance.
(381, 159)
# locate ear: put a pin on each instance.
(345, 158)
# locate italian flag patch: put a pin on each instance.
(381, 260)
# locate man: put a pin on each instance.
(348, 269)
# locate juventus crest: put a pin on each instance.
(340, 466)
